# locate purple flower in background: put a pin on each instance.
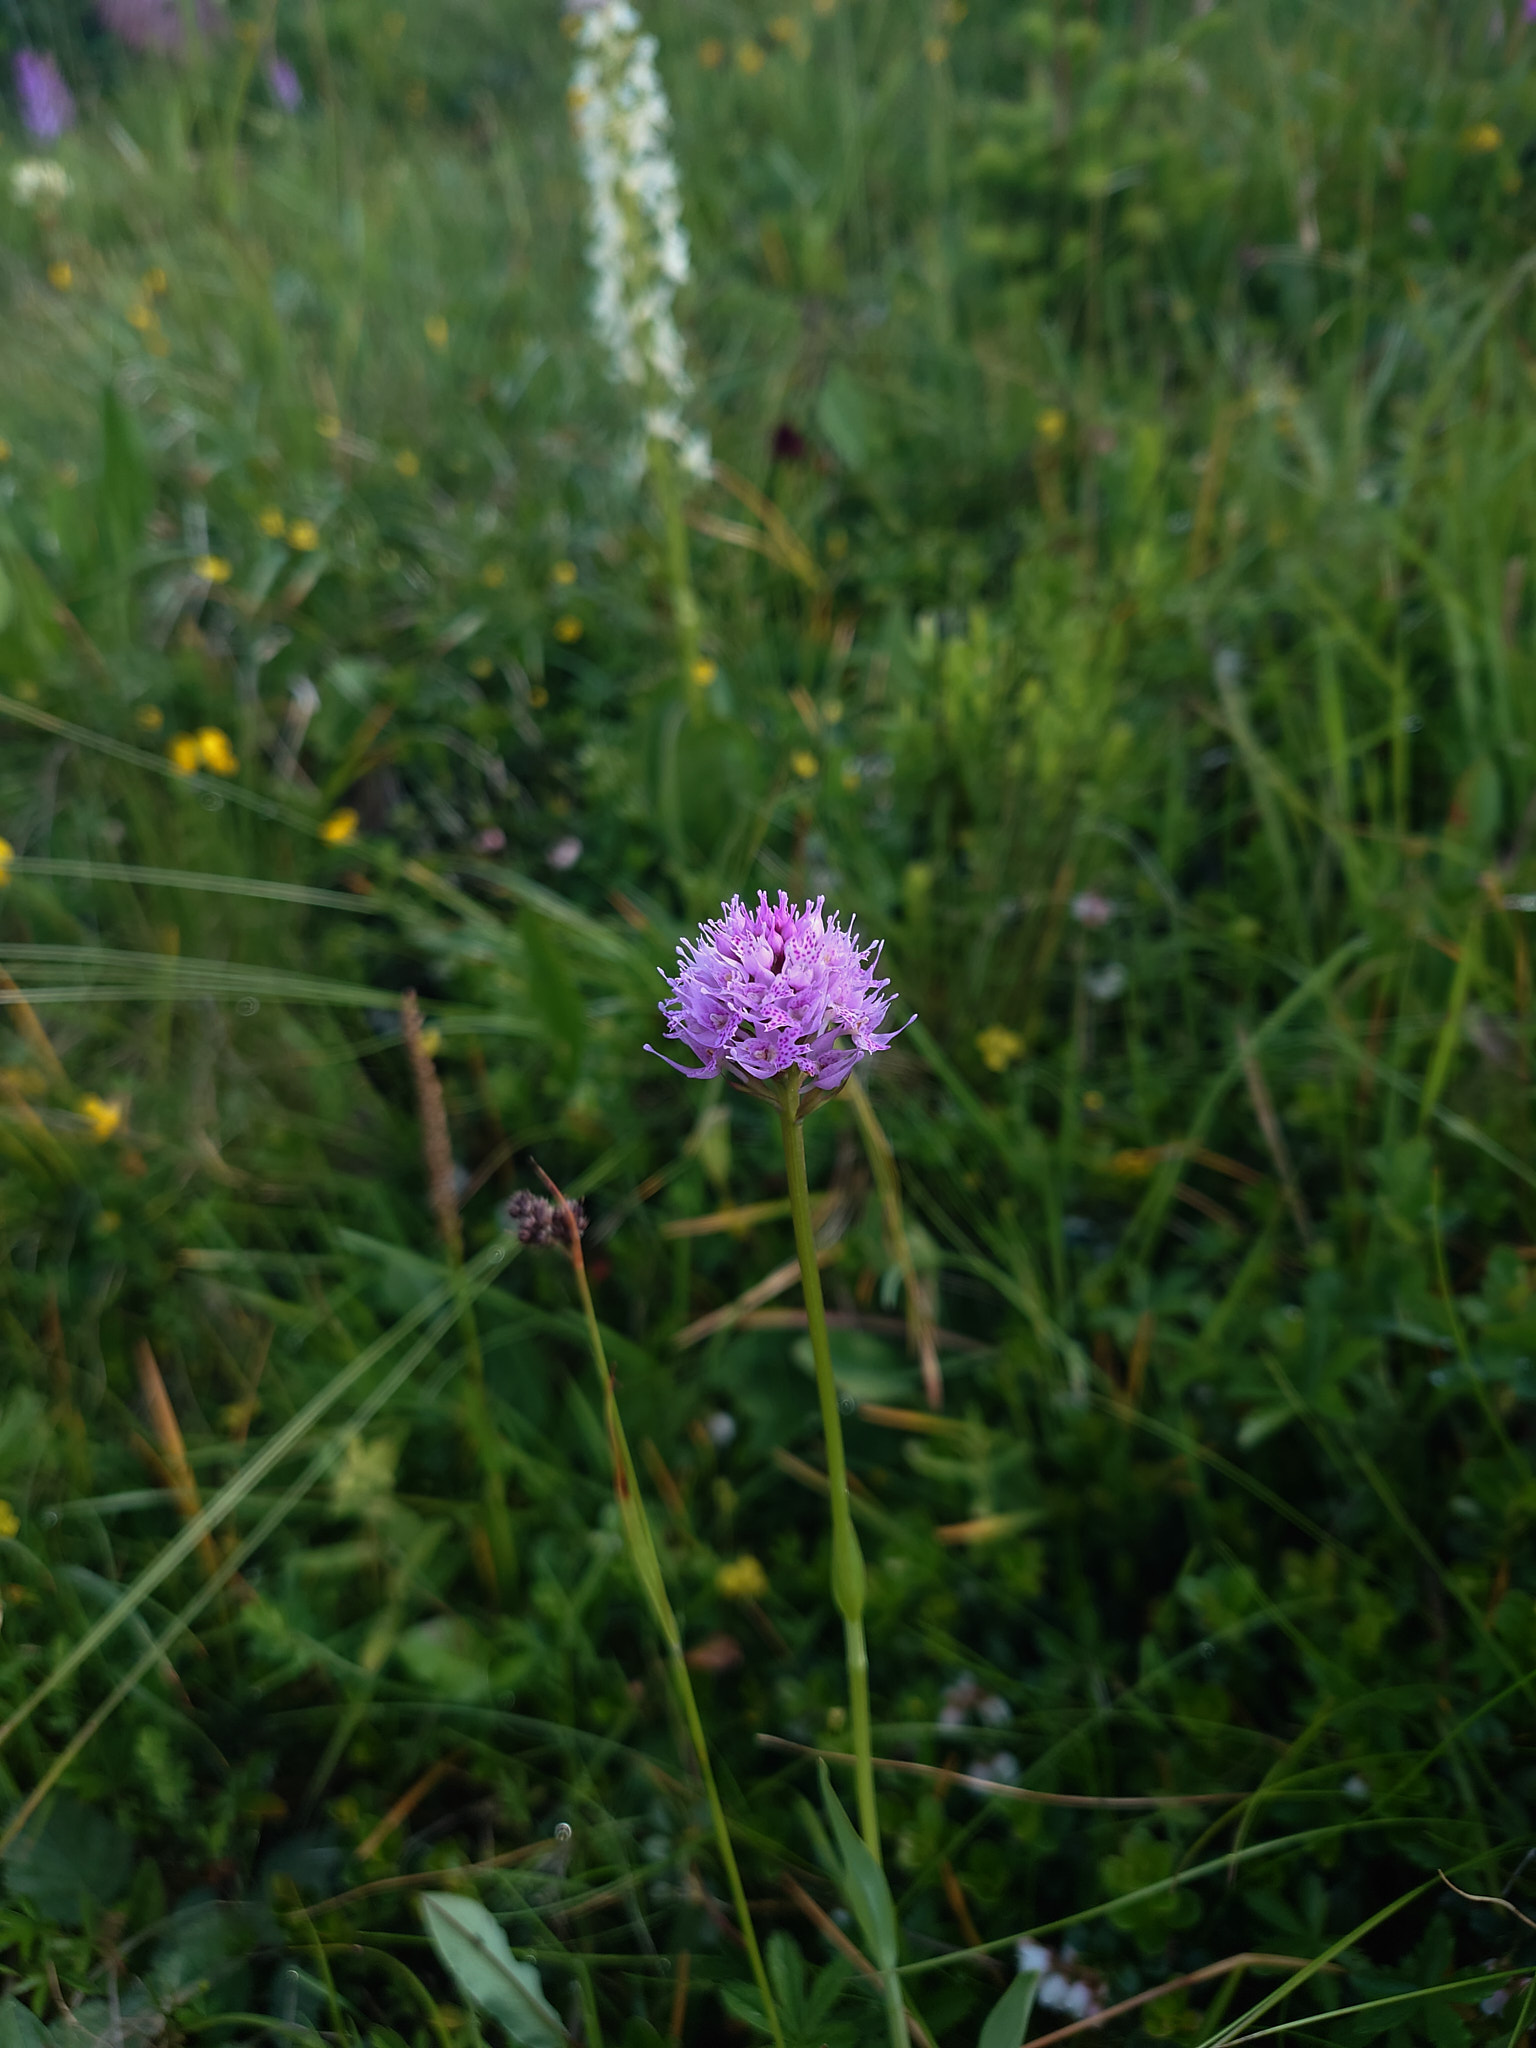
(775, 989)
(153, 24)
(46, 102)
(283, 84)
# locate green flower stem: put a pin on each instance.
(685, 606)
(847, 1558)
(641, 1545)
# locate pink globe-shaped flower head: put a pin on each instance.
(781, 989)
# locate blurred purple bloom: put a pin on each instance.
(770, 990)
(283, 84)
(153, 24)
(491, 840)
(1530, 10)
(1091, 909)
(47, 105)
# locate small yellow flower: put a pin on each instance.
(271, 521)
(481, 667)
(149, 718)
(140, 316)
(61, 276)
(435, 328)
(804, 763)
(431, 1041)
(1482, 139)
(304, 535)
(936, 49)
(711, 53)
(1051, 424)
(564, 572)
(10, 1521)
(7, 855)
(999, 1047)
(493, 575)
(1135, 1163)
(704, 671)
(750, 58)
(212, 569)
(1093, 1102)
(340, 827)
(184, 753)
(576, 98)
(103, 1117)
(538, 696)
(823, 7)
(5, 451)
(215, 752)
(568, 630)
(393, 24)
(328, 427)
(408, 462)
(783, 28)
(154, 282)
(744, 1579)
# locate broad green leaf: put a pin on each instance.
(865, 1890)
(20, 2027)
(475, 1953)
(1008, 2021)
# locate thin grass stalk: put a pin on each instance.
(641, 1545)
(847, 1559)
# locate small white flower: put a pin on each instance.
(1033, 1956)
(39, 177)
(1106, 982)
(720, 1428)
(638, 247)
(564, 853)
(1091, 909)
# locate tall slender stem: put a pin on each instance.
(642, 1550)
(847, 1558)
(685, 605)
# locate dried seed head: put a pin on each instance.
(536, 1220)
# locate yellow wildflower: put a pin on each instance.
(5, 451)
(149, 718)
(304, 535)
(493, 575)
(340, 827)
(744, 1579)
(1051, 424)
(212, 569)
(271, 521)
(328, 427)
(538, 696)
(184, 753)
(1135, 1163)
(823, 7)
(7, 855)
(140, 316)
(704, 671)
(215, 752)
(999, 1047)
(576, 98)
(431, 1041)
(435, 328)
(935, 49)
(568, 630)
(1093, 1101)
(154, 282)
(1481, 139)
(750, 58)
(564, 572)
(408, 462)
(10, 1521)
(481, 667)
(804, 763)
(711, 53)
(61, 276)
(103, 1117)
(783, 28)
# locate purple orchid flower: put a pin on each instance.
(46, 103)
(774, 990)
(283, 83)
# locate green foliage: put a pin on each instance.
(1134, 628)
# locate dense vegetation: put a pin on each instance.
(1116, 591)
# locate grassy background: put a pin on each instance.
(1143, 401)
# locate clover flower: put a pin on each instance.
(776, 990)
(638, 248)
(39, 178)
(45, 102)
(534, 1219)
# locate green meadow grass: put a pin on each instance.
(1126, 423)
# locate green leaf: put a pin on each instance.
(127, 489)
(865, 1890)
(72, 1858)
(1008, 2021)
(20, 2027)
(475, 1954)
